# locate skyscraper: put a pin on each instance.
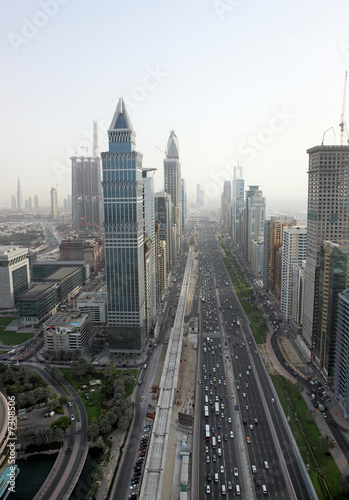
(124, 238)
(36, 201)
(341, 373)
(226, 206)
(19, 196)
(54, 203)
(294, 246)
(254, 219)
(86, 190)
(327, 219)
(172, 182)
(149, 228)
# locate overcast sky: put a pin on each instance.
(239, 81)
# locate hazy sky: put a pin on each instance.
(238, 80)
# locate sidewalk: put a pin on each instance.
(108, 470)
(336, 452)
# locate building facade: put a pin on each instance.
(173, 183)
(54, 203)
(86, 193)
(124, 236)
(68, 331)
(333, 279)
(341, 372)
(294, 246)
(14, 274)
(327, 219)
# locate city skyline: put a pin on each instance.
(242, 95)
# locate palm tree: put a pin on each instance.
(93, 431)
(310, 416)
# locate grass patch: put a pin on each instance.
(258, 325)
(90, 399)
(308, 438)
(13, 338)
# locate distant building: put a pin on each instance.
(163, 214)
(200, 196)
(68, 331)
(226, 206)
(30, 203)
(36, 201)
(149, 229)
(238, 203)
(54, 203)
(19, 196)
(14, 274)
(86, 193)
(254, 216)
(13, 203)
(173, 184)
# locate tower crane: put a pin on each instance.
(342, 123)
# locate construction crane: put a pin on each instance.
(342, 123)
(83, 222)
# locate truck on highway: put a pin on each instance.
(216, 408)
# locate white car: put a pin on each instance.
(236, 472)
(266, 464)
(231, 434)
(254, 469)
(229, 420)
(72, 417)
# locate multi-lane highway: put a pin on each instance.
(261, 458)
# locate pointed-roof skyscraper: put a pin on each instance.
(124, 238)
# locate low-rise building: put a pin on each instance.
(14, 274)
(94, 304)
(68, 331)
(38, 303)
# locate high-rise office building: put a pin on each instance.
(69, 201)
(327, 219)
(226, 206)
(297, 299)
(36, 201)
(273, 234)
(86, 190)
(124, 237)
(341, 372)
(333, 279)
(294, 246)
(19, 196)
(253, 219)
(30, 203)
(54, 203)
(163, 214)
(149, 229)
(184, 203)
(172, 182)
(238, 203)
(200, 196)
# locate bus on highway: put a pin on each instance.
(207, 432)
(206, 412)
(216, 407)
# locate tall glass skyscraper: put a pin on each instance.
(124, 238)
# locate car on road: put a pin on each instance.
(230, 485)
(266, 464)
(221, 469)
(72, 417)
(248, 439)
(254, 469)
(272, 400)
(236, 472)
(251, 427)
(231, 434)
(229, 420)
(244, 394)
(207, 459)
(208, 488)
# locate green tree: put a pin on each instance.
(310, 416)
(93, 432)
(62, 423)
(344, 482)
(326, 444)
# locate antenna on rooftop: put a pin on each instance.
(342, 124)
